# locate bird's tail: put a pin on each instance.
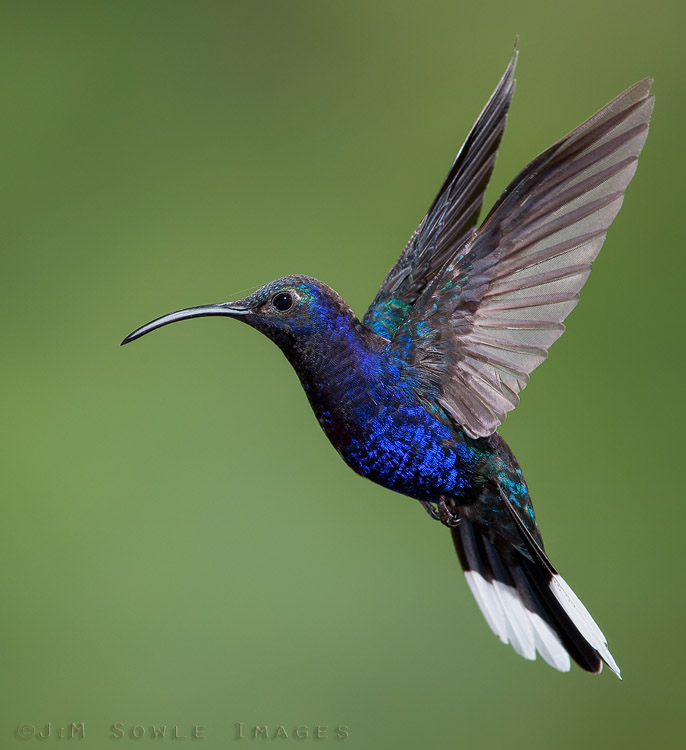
(525, 600)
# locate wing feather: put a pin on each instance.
(488, 317)
(451, 218)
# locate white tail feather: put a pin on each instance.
(513, 623)
(581, 617)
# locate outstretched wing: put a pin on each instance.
(451, 217)
(487, 319)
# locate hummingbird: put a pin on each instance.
(412, 394)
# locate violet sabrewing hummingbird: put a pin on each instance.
(411, 396)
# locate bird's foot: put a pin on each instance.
(447, 515)
(441, 512)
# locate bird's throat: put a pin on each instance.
(338, 367)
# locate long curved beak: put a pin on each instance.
(230, 309)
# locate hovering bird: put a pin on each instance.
(411, 396)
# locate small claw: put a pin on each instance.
(430, 509)
(446, 516)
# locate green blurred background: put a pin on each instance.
(180, 543)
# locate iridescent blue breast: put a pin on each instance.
(409, 451)
(382, 431)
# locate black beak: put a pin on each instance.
(230, 309)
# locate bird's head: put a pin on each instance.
(292, 311)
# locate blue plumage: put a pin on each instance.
(412, 394)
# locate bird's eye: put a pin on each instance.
(282, 301)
